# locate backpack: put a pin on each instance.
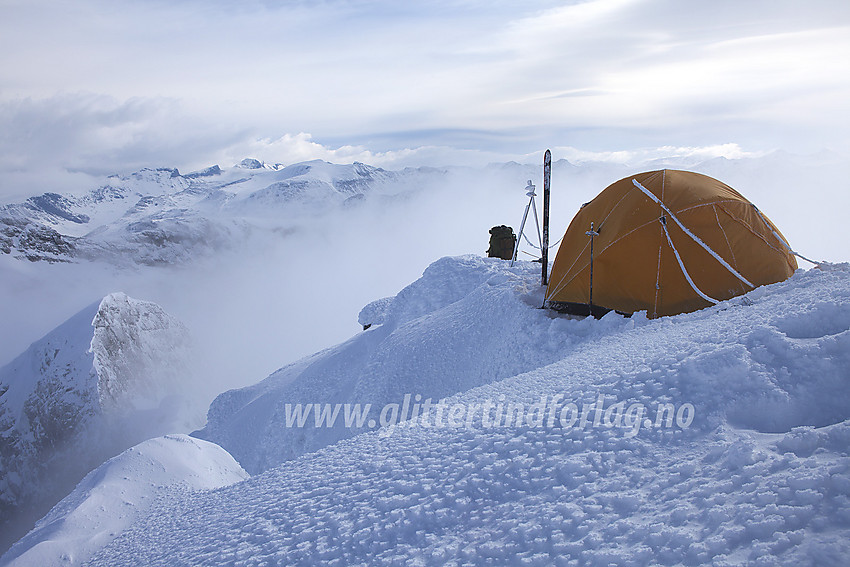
(502, 242)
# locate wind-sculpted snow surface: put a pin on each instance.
(718, 437)
(111, 376)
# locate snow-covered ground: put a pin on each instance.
(466, 322)
(717, 437)
(110, 498)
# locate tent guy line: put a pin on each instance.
(695, 238)
(711, 300)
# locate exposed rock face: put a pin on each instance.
(35, 241)
(109, 377)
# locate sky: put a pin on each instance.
(91, 87)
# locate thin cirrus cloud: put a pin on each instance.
(645, 64)
(99, 86)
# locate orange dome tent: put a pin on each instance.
(665, 242)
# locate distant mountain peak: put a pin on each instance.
(251, 163)
(206, 172)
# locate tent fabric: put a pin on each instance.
(667, 242)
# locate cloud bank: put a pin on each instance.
(94, 86)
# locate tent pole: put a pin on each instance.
(591, 233)
(547, 171)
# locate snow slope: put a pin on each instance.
(720, 437)
(415, 346)
(111, 376)
(110, 498)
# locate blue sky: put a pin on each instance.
(98, 86)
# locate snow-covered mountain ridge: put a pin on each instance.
(419, 343)
(111, 376)
(758, 473)
(158, 216)
(110, 498)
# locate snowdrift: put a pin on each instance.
(111, 497)
(468, 321)
(720, 436)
